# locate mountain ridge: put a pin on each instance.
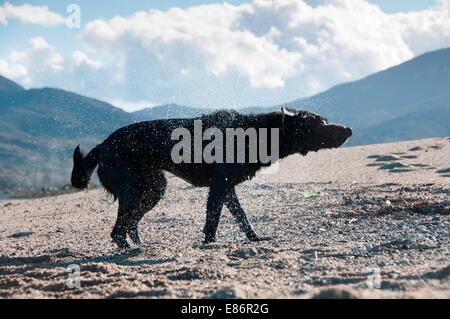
(6, 85)
(40, 127)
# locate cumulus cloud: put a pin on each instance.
(209, 38)
(80, 58)
(425, 30)
(29, 14)
(41, 64)
(264, 52)
(12, 71)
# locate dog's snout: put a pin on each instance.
(342, 134)
(348, 131)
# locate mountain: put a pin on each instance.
(382, 100)
(168, 111)
(40, 127)
(412, 126)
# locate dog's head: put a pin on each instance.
(312, 132)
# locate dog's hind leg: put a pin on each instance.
(136, 193)
(128, 202)
(156, 185)
(233, 205)
(216, 198)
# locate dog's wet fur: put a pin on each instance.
(132, 160)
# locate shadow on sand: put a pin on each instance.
(54, 260)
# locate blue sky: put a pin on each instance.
(126, 7)
(263, 53)
(403, 5)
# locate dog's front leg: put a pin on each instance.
(233, 205)
(216, 198)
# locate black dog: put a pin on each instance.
(131, 164)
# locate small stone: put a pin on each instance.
(336, 293)
(387, 158)
(404, 262)
(393, 166)
(233, 292)
(21, 234)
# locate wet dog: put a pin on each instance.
(132, 160)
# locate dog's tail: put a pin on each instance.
(83, 166)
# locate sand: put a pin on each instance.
(344, 223)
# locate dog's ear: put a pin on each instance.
(287, 112)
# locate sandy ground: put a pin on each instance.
(344, 223)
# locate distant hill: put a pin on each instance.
(168, 111)
(412, 126)
(419, 85)
(40, 127)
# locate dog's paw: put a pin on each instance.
(134, 236)
(121, 243)
(209, 240)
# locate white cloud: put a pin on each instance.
(41, 64)
(29, 14)
(81, 58)
(425, 30)
(206, 36)
(264, 52)
(12, 71)
(41, 61)
(288, 48)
